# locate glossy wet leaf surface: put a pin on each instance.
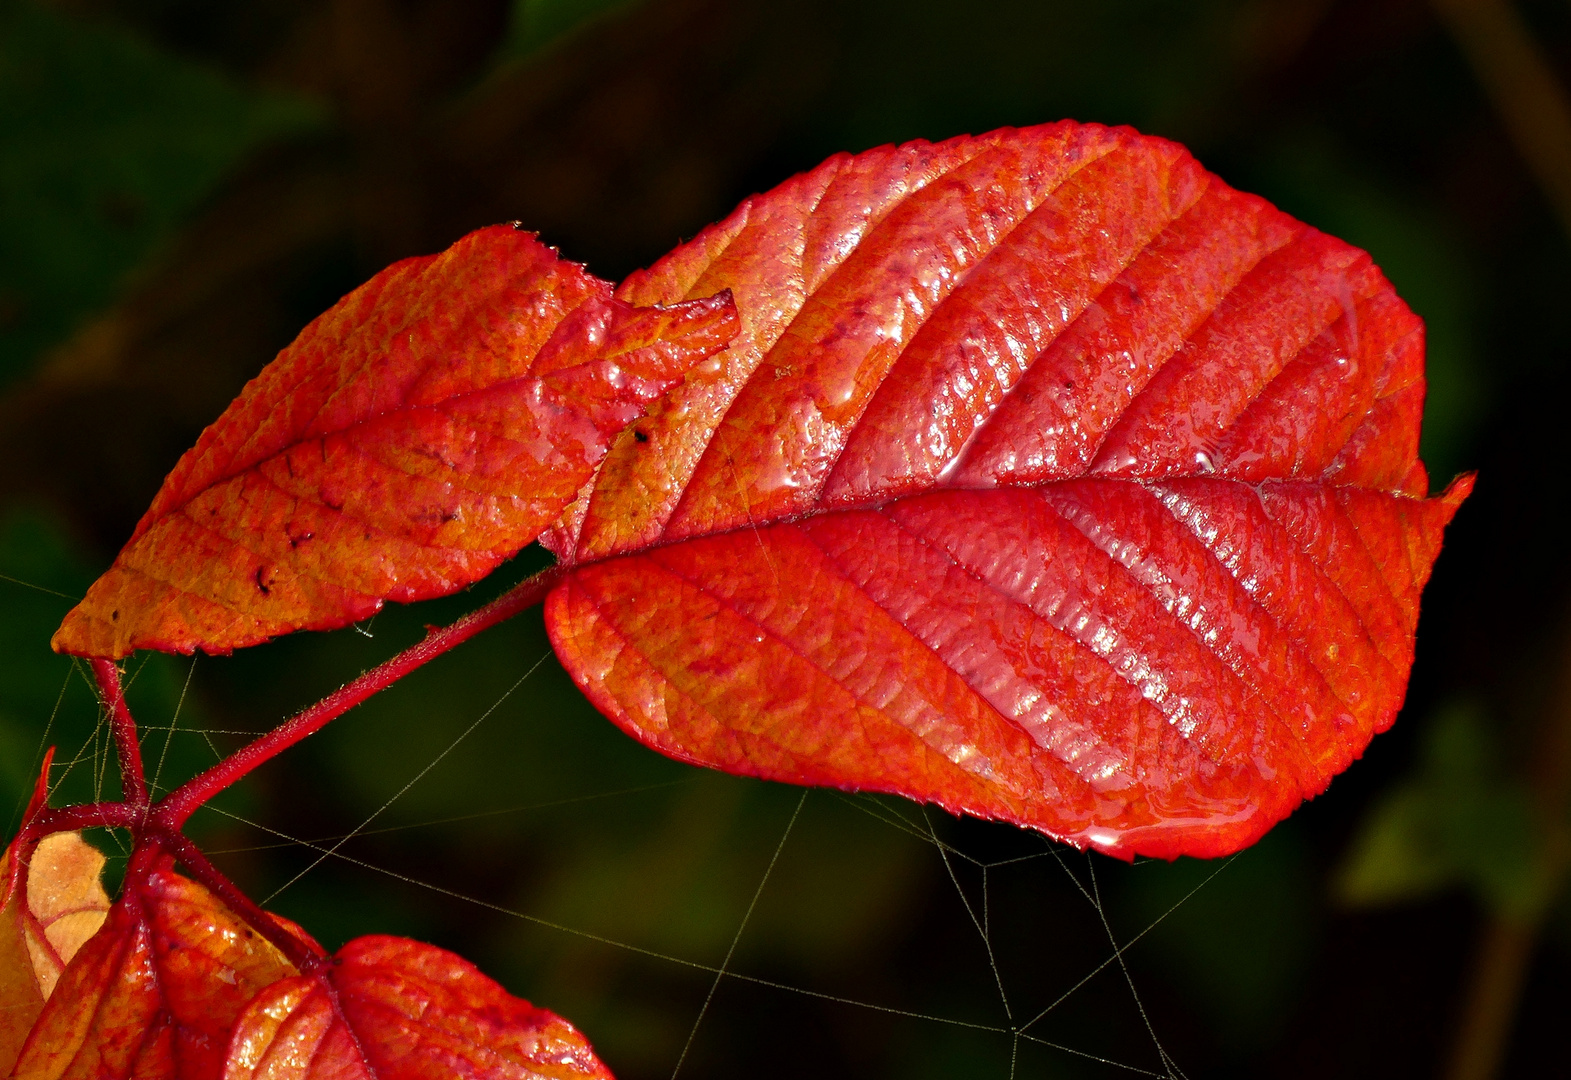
(155, 992)
(1050, 480)
(1047, 478)
(392, 1009)
(411, 439)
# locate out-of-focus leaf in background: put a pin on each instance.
(106, 144)
(534, 24)
(1458, 821)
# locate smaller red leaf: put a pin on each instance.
(155, 992)
(66, 903)
(394, 1009)
(425, 429)
(21, 995)
(51, 902)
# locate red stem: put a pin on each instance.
(61, 819)
(119, 815)
(68, 819)
(133, 781)
(302, 955)
(173, 811)
(161, 827)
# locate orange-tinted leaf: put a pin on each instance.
(46, 916)
(21, 996)
(1050, 479)
(66, 903)
(156, 992)
(394, 1009)
(413, 437)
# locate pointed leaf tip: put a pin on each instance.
(1050, 480)
(412, 438)
(156, 992)
(400, 1010)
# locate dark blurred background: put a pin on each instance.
(185, 183)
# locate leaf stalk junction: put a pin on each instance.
(155, 827)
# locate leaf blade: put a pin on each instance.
(413, 437)
(1210, 408)
(155, 992)
(394, 1008)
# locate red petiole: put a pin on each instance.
(156, 826)
(181, 803)
(133, 781)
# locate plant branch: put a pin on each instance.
(61, 819)
(173, 811)
(301, 954)
(104, 815)
(133, 781)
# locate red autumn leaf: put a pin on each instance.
(66, 903)
(1050, 479)
(410, 439)
(46, 915)
(21, 994)
(22, 984)
(395, 1009)
(156, 992)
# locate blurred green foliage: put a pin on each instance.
(1460, 820)
(534, 24)
(106, 144)
(1242, 932)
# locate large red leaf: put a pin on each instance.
(1050, 479)
(155, 993)
(392, 1009)
(413, 437)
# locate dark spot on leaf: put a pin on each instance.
(260, 584)
(114, 616)
(640, 435)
